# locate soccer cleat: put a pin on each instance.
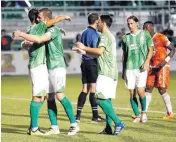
(169, 116)
(52, 131)
(98, 119)
(119, 128)
(107, 131)
(73, 130)
(143, 117)
(137, 120)
(28, 131)
(37, 132)
(78, 119)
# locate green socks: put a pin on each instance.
(134, 105)
(107, 108)
(52, 112)
(34, 113)
(68, 109)
(143, 103)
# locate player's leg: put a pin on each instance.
(93, 74)
(38, 91)
(148, 94)
(106, 87)
(83, 94)
(131, 84)
(162, 84)
(52, 113)
(141, 83)
(59, 81)
(149, 87)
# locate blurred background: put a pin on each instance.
(14, 16)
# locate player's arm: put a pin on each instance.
(57, 19)
(147, 61)
(95, 51)
(32, 38)
(168, 57)
(124, 60)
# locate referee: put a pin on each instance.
(89, 38)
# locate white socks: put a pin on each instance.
(148, 99)
(167, 102)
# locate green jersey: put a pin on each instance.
(107, 63)
(54, 49)
(37, 51)
(135, 48)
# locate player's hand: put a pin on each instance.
(68, 18)
(80, 45)
(144, 67)
(159, 66)
(78, 50)
(16, 33)
(63, 31)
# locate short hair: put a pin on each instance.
(149, 23)
(106, 19)
(46, 12)
(92, 18)
(134, 18)
(3, 30)
(33, 15)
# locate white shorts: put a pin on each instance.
(135, 78)
(105, 87)
(39, 79)
(57, 80)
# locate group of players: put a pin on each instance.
(141, 49)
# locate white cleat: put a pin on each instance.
(143, 117)
(52, 131)
(73, 130)
(137, 120)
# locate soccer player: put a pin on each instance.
(57, 72)
(89, 71)
(159, 73)
(107, 73)
(37, 68)
(137, 52)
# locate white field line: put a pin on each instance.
(75, 103)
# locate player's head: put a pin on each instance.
(93, 18)
(33, 15)
(149, 26)
(45, 14)
(3, 32)
(132, 22)
(104, 20)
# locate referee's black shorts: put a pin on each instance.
(89, 72)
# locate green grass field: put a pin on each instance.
(16, 95)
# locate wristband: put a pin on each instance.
(167, 58)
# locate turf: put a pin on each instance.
(16, 95)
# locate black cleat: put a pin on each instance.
(98, 119)
(107, 131)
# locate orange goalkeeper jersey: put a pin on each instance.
(160, 42)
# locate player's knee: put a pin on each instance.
(37, 98)
(149, 89)
(161, 90)
(60, 96)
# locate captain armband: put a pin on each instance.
(167, 59)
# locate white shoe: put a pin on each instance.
(52, 131)
(73, 130)
(137, 120)
(143, 117)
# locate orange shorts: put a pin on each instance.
(159, 79)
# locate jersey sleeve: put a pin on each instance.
(123, 44)
(103, 41)
(52, 32)
(165, 41)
